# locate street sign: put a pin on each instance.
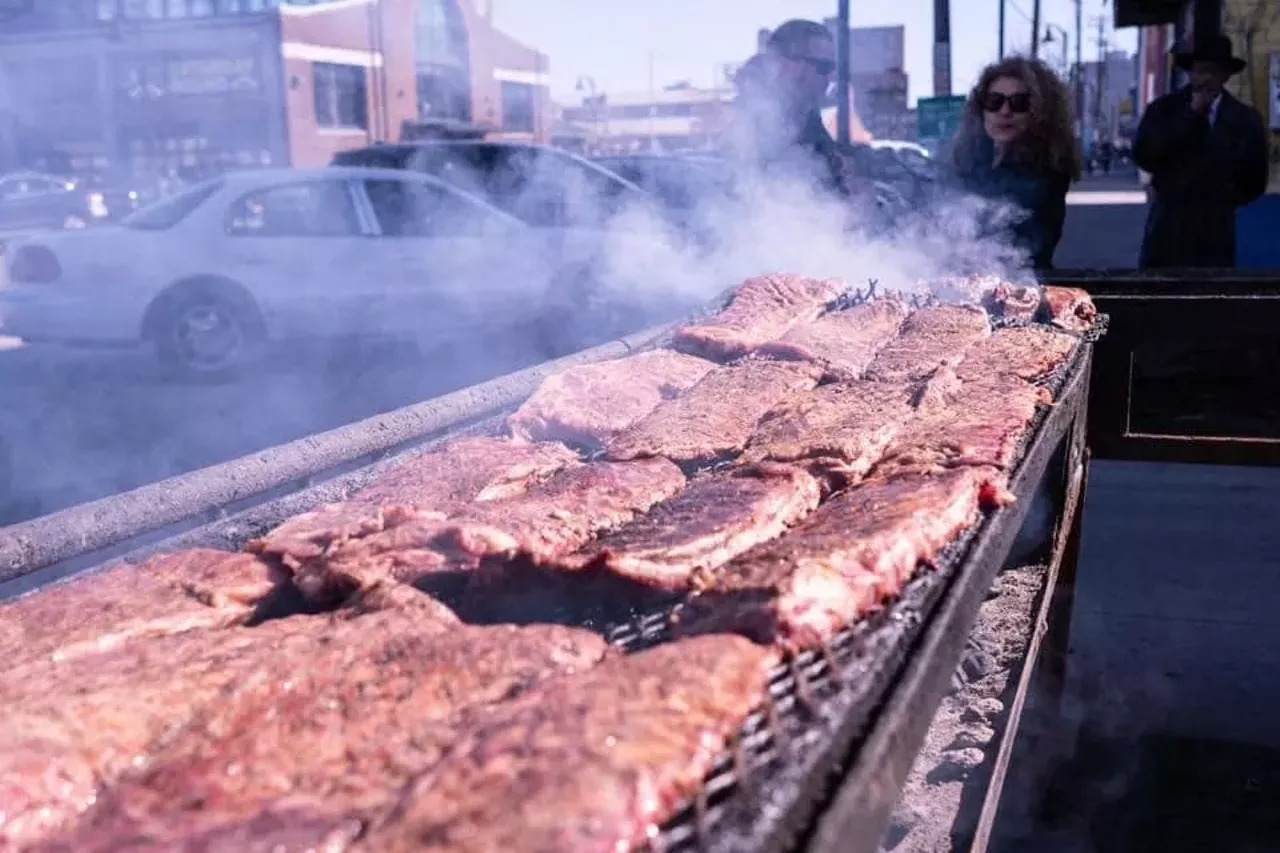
(938, 119)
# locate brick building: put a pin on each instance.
(158, 87)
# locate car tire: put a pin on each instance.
(206, 331)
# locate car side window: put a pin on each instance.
(16, 188)
(311, 209)
(410, 209)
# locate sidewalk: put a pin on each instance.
(1119, 187)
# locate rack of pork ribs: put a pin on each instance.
(592, 632)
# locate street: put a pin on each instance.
(77, 425)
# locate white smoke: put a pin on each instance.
(772, 223)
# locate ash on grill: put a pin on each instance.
(939, 804)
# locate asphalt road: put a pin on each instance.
(77, 425)
(80, 425)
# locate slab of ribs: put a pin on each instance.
(373, 674)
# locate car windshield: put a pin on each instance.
(169, 211)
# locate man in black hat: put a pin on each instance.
(1207, 156)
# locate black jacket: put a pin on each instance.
(1039, 195)
(1200, 174)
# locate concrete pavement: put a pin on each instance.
(1105, 218)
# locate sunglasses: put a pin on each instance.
(993, 102)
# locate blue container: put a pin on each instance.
(1258, 234)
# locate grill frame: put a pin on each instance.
(912, 646)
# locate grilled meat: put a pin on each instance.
(716, 416)
(167, 594)
(712, 521)
(843, 342)
(843, 427)
(981, 422)
(562, 514)
(72, 727)
(404, 553)
(340, 730)
(483, 468)
(590, 403)
(1069, 307)
(1011, 301)
(590, 763)
(930, 337)
(1028, 353)
(452, 475)
(763, 309)
(843, 560)
(553, 519)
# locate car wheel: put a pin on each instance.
(207, 332)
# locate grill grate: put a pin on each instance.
(820, 701)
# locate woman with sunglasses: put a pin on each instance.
(1017, 145)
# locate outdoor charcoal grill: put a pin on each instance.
(819, 767)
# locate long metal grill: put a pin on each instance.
(764, 793)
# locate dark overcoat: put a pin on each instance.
(1200, 174)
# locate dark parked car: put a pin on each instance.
(542, 186)
(680, 182)
(36, 201)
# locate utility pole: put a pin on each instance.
(842, 72)
(1000, 48)
(1080, 67)
(941, 48)
(1035, 29)
(1100, 77)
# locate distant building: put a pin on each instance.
(192, 87)
(678, 118)
(1110, 93)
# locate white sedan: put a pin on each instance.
(211, 274)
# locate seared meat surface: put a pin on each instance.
(1029, 353)
(1069, 307)
(856, 550)
(717, 416)
(590, 403)
(842, 342)
(930, 337)
(588, 763)
(440, 480)
(167, 594)
(979, 422)
(716, 518)
(844, 427)
(339, 728)
(763, 309)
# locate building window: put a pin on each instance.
(443, 61)
(340, 93)
(441, 34)
(518, 107)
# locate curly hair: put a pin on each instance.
(1050, 143)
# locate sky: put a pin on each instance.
(611, 41)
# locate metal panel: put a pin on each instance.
(1172, 336)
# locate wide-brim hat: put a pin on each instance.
(1216, 49)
